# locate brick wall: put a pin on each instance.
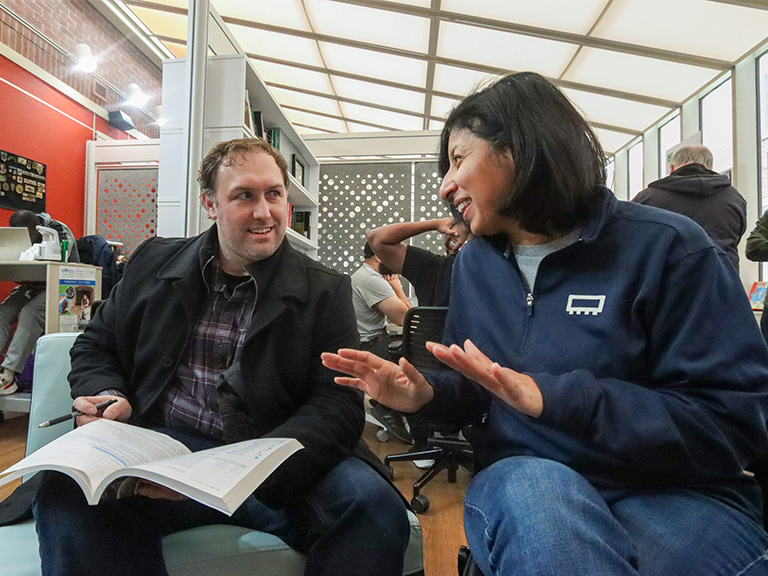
(71, 22)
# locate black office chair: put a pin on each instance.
(445, 445)
(466, 564)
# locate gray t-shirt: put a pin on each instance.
(368, 289)
(530, 256)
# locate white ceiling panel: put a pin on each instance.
(303, 130)
(616, 111)
(288, 13)
(625, 63)
(178, 50)
(276, 45)
(162, 23)
(306, 101)
(355, 127)
(316, 121)
(637, 74)
(179, 4)
(441, 107)
(369, 25)
(379, 118)
(612, 141)
(436, 125)
(375, 64)
(460, 81)
(575, 16)
(712, 29)
(419, 3)
(504, 50)
(379, 94)
(290, 76)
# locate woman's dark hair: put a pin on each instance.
(559, 163)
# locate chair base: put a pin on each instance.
(467, 564)
(448, 454)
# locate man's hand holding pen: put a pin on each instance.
(87, 406)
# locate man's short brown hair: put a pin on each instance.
(227, 153)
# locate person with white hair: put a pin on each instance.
(693, 189)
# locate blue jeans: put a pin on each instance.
(351, 522)
(26, 308)
(531, 516)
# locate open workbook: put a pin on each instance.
(104, 450)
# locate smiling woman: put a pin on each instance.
(574, 346)
(556, 160)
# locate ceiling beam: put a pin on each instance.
(338, 98)
(323, 130)
(437, 59)
(756, 4)
(492, 70)
(601, 125)
(429, 84)
(549, 34)
(341, 118)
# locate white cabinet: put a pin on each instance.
(233, 90)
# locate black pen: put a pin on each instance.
(75, 413)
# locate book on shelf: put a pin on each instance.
(273, 136)
(248, 116)
(757, 295)
(300, 222)
(103, 451)
(258, 124)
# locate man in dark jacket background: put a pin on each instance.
(706, 197)
(216, 339)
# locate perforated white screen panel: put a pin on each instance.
(355, 198)
(427, 205)
(127, 205)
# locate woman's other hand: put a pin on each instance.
(518, 390)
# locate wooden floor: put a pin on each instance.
(442, 524)
(13, 439)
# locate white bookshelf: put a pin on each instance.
(229, 80)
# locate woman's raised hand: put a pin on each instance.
(399, 386)
(518, 390)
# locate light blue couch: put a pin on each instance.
(204, 551)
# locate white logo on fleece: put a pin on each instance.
(585, 304)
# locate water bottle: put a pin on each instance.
(64, 244)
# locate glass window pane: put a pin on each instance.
(717, 125)
(762, 64)
(762, 67)
(669, 135)
(610, 175)
(635, 169)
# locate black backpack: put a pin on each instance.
(95, 250)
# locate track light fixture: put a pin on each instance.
(85, 60)
(136, 97)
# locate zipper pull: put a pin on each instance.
(529, 303)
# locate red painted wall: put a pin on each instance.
(40, 123)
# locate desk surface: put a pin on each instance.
(18, 402)
(17, 271)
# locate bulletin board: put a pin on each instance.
(22, 183)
